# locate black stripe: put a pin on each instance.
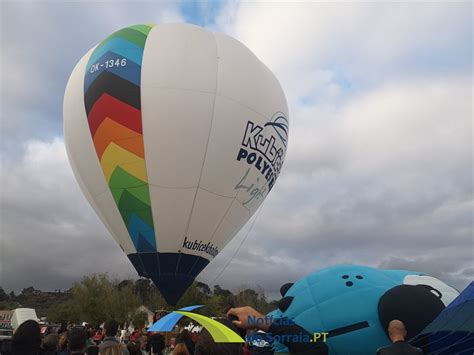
(348, 329)
(115, 86)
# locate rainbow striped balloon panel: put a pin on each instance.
(113, 107)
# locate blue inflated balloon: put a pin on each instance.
(355, 303)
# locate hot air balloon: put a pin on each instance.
(353, 305)
(175, 135)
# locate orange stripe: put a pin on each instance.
(111, 131)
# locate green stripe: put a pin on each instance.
(129, 204)
(129, 34)
(145, 29)
(141, 193)
(122, 180)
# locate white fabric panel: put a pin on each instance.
(84, 161)
(245, 79)
(224, 234)
(171, 209)
(223, 173)
(236, 217)
(180, 56)
(176, 126)
(208, 211)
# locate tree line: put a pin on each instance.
(97, 297)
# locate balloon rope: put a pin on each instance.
(240, 246)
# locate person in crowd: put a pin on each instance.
(62, 348)
(180, 349)
(135, 335)
(134, 348)
(168, 350)
(259, 343)
(50, 345)
(156, 343)
(194, 336)
(90, 337)
(110, 344)
(143, 344)
(124, 336)
(63, 327)
(98, 336)
(6, 347)
(243, 314)
(27, 339)
(205, 345)
(245, 350)
(91, 346)
(76, 341)
(397, 334)
(92, 350)
(185, 337)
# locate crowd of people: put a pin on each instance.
(110, 340)
(106, 340)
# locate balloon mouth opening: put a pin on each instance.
(173, 287)
(172, 273)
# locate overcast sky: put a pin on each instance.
(379, 164)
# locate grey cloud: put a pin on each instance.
(437, 266)
(50, 235)
(377, 174)
(41, 43)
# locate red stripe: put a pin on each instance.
(119, 111)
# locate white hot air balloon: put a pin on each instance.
(175, 135)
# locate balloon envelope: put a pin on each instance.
(176, 135)
(354, 302)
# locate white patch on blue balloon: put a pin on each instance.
(446, 293)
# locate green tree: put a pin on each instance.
(218, 305)
(126, 283)
(93, 297)
(124, 303)
(98, 299)
(253, 298)
(28, 290)
(221, 292)
(203, 288)
(8, 301)
(65, 311)
(3, 295)
(156, 301)
(192, 296)
(139, 319)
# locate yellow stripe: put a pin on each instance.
(219, 332)
(115, 155)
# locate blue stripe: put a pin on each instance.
(167, 323)
(130, 71)
(120, 46)
(190, 308)
(136, 228)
